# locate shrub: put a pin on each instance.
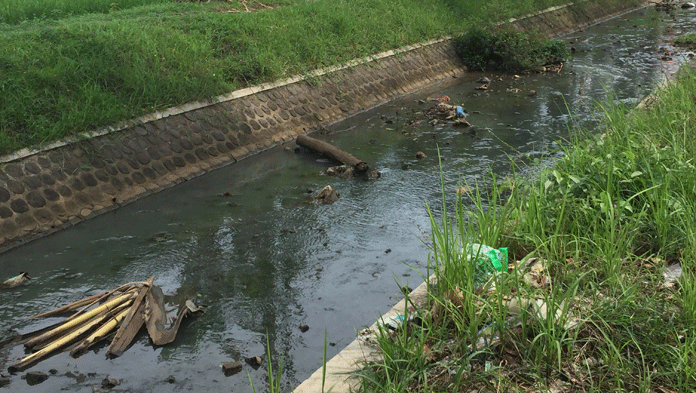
(509, 51)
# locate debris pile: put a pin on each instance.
(119, 313)
(446, 113)
(665, 5)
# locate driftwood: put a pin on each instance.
(156, 317)
(71, 306)
(131, 323)
(119, 313)
(330, 151)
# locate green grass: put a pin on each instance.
(687, 40)
(606, 219)
(69, 67)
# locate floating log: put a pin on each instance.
(330, 151)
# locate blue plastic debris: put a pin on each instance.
(394, 322)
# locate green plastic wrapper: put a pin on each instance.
(489, 261)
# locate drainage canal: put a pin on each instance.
(248, 241)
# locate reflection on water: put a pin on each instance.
(248, 241)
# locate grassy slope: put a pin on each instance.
(606, 219)
(89, 64)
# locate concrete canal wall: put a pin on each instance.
(54, 187)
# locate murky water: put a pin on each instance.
(265, 258)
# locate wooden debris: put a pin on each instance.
(79, 320)
(124, 309)
(155, 317)
(332, 152)
(130, 326)
(100, 333)
(69, 307)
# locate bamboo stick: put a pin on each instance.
(101, 332)
(123, 288)
(70, 337)
(92, 322)
(68, 307)
(77, 321)
(53, 346)
(131, 324)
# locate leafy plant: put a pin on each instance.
(510, 51)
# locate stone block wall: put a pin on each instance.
(49, 190)
(44, 191)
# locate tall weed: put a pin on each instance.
(606, 220)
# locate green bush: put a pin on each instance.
(510, 51)
(687, 40)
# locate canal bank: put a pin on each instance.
(266, 260)
(68, 182)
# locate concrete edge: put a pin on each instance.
(192, 106)
(341, 369)
(42, 191)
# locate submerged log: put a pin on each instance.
(330, 151)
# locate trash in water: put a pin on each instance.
(123, 310)
(444, 112)
(20, 279)
(327, 195)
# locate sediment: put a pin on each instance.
(54, 187)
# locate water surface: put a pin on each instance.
(249, 241)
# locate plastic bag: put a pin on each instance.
(488, 261)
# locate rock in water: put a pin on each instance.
(35, 377)
(327, 195)
(232, 367)
(110, 383)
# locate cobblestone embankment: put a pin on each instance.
(68, 182)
